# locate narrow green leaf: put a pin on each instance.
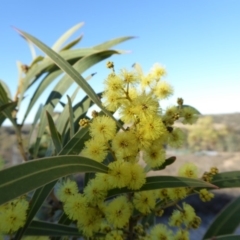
(10, 106)
(2, 119)
(158, 182)
(32, 50)
(167, 162)
(227, 179)
(63, 117)
(23, 178)
(111, 43)
(46, 81)
(63, 85)
(65, 66)
(7, 91)
(226, 221)
(36, 60)
(46, 65)
(54, 133)
(6, 111)
(64, 219)
(65, 36)
(194, 109)
(72, 44)
(225, 237)
(68, 69)
(35, 120)
(3, 92)
(39, 228)
(71, 123)
(75, 145)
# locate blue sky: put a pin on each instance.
(197, 41)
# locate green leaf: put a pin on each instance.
(39, 228)
(54, 133)
(6, 112)
(158, 182)
(33, 126)
(69, 70)
(225, 237)
(63, 117)
(71, 123)
(76, 144)
(111, 43)
(6, 90)
(36, 60)
(65, 66)
(226, 221)
(63, 85)
(32, 50)
(10, 106)
(64, 219)
(227, 179)
(65, 36)
(46, 81)
(23, 178)
(72, 44)
(3, 93)
(194, 109)
(167, 162)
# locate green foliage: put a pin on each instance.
(204, 135)
(52, 152)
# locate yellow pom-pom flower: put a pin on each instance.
(119, 174)
(181, 235)
(103, 127)
(66, 189)
(129, 77)
(189, 115)
(163, 90)
(158, 71)
(205, 195)
(136, 176)
(118, 212)
(177, 193)
(114, 83)
(160, 231)
(188, 213)
(13, 215)
(144, 201)
(75, 206)
(153, 128)
(176, 219)
(89, 221)
(95, 149)
(176, 138)
(147, 81)
(154, 156)
(124, 144)
(189, 170)
(115, 235)
(111, 100)
(95, 192)
(146, 105)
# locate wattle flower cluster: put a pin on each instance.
(145, 131)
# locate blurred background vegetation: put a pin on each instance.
(211, 133)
